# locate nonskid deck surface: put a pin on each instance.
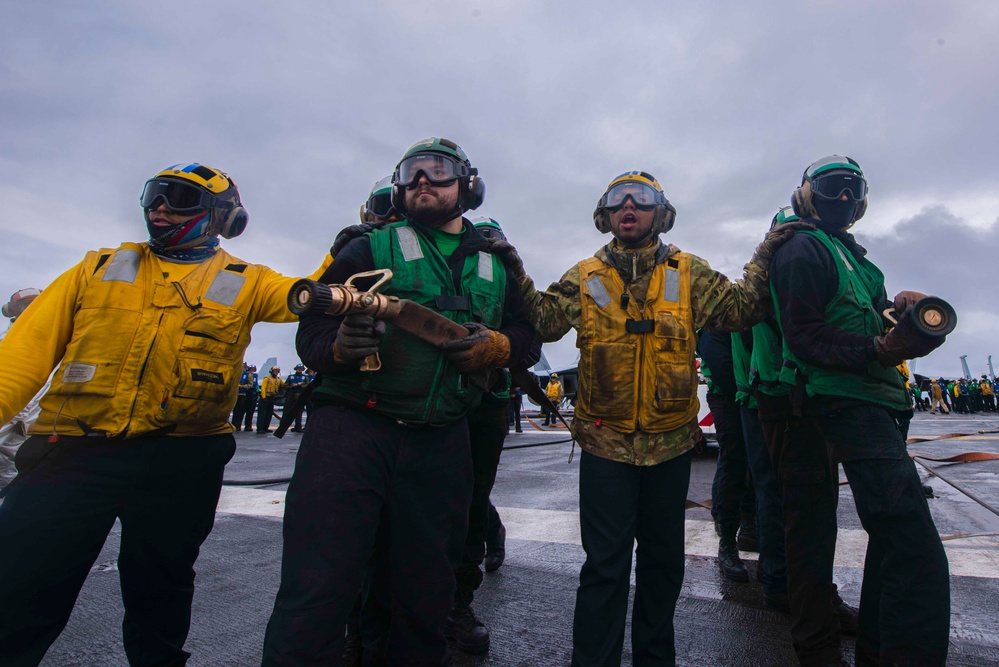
(527, 604)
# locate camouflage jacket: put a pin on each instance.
(716, 303)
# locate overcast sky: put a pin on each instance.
(307, 104)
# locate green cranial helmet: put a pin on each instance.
(834, 189)
(378, 207)
(489, 228)
(786, 214)
(442, 162)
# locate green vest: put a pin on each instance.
(741, 358)
(853, 308)
(768, 356)
(416, 384)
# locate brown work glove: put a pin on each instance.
(904, 342)
(774, 239)
(481, 348)
(357, 338)
(509, 256)
(905, 300)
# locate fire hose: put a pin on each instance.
(310, 296)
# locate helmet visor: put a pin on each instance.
(179, 197)
(645, 197)
(833, 185)
(439, 169)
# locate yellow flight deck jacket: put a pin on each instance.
(140, 353)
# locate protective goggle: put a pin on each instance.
(179, 197)
(833, 185)
(645, 197)
(379, 205)
(439, 169)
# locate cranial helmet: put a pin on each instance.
(826, 180)
(786, 214)
(489, 228)
(442, 161)
(378, 207)
(645, 191)
(19, 300)
(195, 187)
(299, 367)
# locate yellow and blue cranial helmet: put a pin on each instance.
(644, 190)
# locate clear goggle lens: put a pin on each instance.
(439, 170)
(645, 197)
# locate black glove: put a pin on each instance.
(348, 234)
(774, 239)
(357, 338)
(904, 342)
(509, 256)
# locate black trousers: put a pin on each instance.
(265, 410)
(289, 402)
(56, 518)
(733, 499)
(809, 481)
(357, 473)
(487, 428)
(243, 411)
(769, 505)
(905, 597)
(619, 503)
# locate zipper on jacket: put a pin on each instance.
(142, 373)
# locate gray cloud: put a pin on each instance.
(307, 104)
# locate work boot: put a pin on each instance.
(728, 555)
(849, 619)
(495, 549)
(748, 539)
(468, 632)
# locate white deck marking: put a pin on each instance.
(969, 557)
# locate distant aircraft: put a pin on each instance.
(265, 368)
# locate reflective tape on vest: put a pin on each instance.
(486, 266)
(124, 267)
(225, 288)
(598, 291)
(410, 244)
(671, 286)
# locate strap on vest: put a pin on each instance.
(639, 326)
(452, 302)
(799, 392)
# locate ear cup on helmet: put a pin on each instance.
(475, 194)
(801, 201)
(398, 197)
(234, 223)
(601, 220)
(665, 217)
(7, 312)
